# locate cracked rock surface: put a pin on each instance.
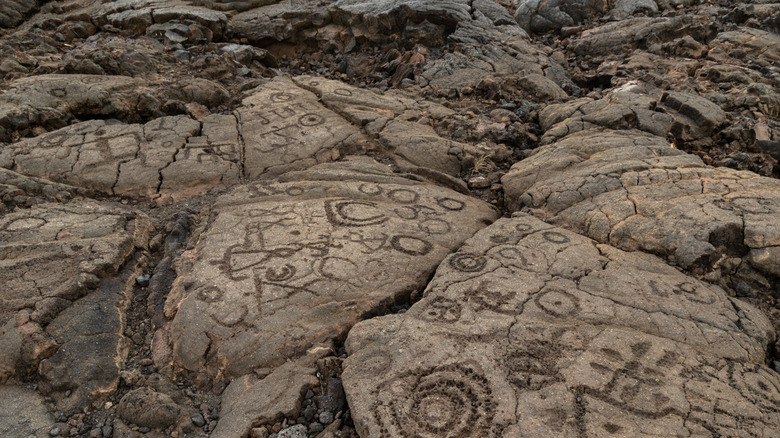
(389, 218)
(533, 330)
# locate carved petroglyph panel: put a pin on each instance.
(633, 191)
(565, 337)
(286, 128)
(286, 265)
(174, 156)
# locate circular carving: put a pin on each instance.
(370, 189)
(311, 119)
(453, 400)
(353, 213)
(342, 92)
(440, 309)
(557, 303)
(410, 245)
(555, 237)
(450, 204)
(294, 191)
(209, 294)
(757, 384)
(466, 262)
(281, 97)
(523, 228)
(403, 196)
(435, 226)
(284, 273)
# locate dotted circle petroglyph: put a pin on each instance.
(281, 97)
(466, 262)
(311, 119)
(557, 303)
(209, 294)
(283, 273)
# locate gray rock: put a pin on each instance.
(387, 222)
(147, 408)
(23, 413)
(634, 191)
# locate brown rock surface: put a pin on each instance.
(530, 330)
(288, 265)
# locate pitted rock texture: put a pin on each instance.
(293, 169)
(285, 266)
(23, 413)
(634, 191)
(531, 330)
(62, 259)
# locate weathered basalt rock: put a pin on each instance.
(634, 191)
(292, 264)
(64, 290)
(530, 330)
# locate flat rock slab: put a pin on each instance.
(289, 265)
(632, 190)
(53, 100)
(281, 126)
(54, 257)
(23, 413)
(170, 155)
(392, 118)
(18, 190)
(532, 330)
(284, 128)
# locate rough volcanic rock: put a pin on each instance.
(23, 413)
(640, 32)
(634, 191)
(125, 159)
(546, 15)
(146, 407)
(199, 24)
(54, 100)
(288, 265)
(62, 297)
(248, 400)
(23, 191)
(284, 127)
(531, 330)
(13, 12)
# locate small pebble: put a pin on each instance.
(144, 429)
(326, 417)
(316, 427)
(198, 420)
(107, 431)
(142, 280)
(54, 432)
(743, 290)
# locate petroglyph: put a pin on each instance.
(633, 191)
(580, 339)
(303, 261)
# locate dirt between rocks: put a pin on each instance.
(389, 218)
